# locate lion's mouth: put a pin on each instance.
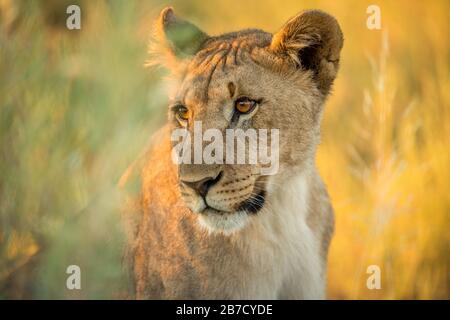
(251, 205)
(211, 210)
(227, 222)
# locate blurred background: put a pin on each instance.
(77, 106)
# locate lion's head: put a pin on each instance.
(249, 79)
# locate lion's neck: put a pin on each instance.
(285, 210)
(279, 242)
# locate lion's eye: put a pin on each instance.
(181, 113)
(245, 105)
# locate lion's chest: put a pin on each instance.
(283, 253)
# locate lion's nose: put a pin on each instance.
(202, 186)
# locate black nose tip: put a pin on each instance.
(202, 186)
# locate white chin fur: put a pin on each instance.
(223, 223)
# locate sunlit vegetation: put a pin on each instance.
(76, 107)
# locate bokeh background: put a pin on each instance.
(76, 107)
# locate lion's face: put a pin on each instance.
(246, 81)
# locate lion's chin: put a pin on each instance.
(224, 223)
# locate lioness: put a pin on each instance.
(225, 231)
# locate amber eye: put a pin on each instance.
(181, 113)
(245, 105)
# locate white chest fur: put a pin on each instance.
(284, 251)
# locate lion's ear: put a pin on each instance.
(181, 37)
(313, 40)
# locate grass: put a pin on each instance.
(77, 106)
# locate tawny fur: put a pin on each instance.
(279, 252)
